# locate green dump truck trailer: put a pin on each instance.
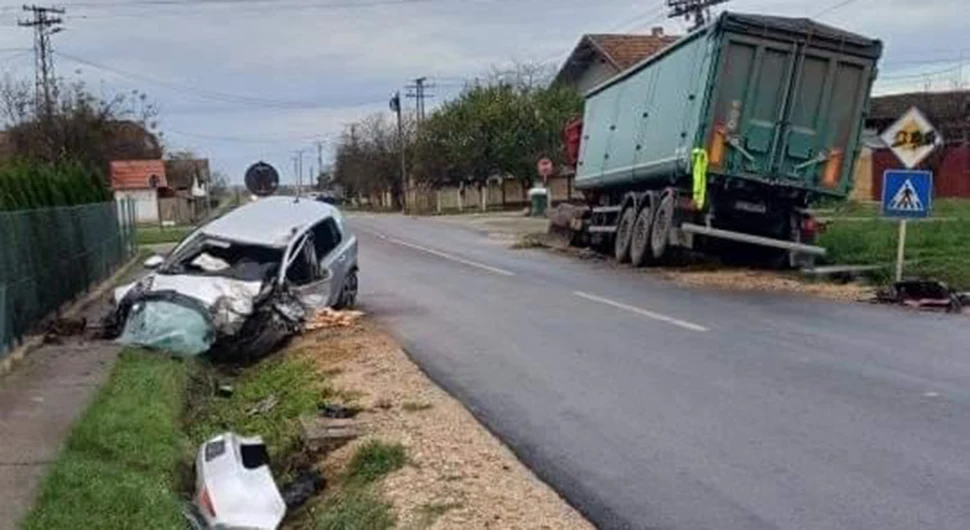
(722, 140)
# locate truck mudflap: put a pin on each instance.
(691, 228)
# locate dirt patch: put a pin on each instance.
(458, 475)
(766, 281)
(504, 226)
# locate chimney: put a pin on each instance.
(657, 31)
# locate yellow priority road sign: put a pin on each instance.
(912, 138)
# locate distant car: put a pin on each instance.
(241, 284)
(329, 197)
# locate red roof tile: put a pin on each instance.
(137, 174)
(627, 50)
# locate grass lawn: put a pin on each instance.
(934, 250)
(947, 208)
(153, 235)
(118, 468)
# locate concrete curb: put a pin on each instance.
(18, 354)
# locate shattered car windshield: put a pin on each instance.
(204, 255)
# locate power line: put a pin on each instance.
(238, 139)
(212, 95)
(923, 74)
(658, 12)
(135, 9)
(833, 7)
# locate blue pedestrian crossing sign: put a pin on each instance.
(907, 194)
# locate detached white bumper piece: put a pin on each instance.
(235, 489)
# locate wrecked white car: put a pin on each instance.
(239, 285)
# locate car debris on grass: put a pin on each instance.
(923, 294)
(240, 285)
(235, 489)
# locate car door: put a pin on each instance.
(310, 281)
(337, 251)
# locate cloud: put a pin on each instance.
(343, 63)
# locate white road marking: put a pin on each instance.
(443, 255)
(642, 312)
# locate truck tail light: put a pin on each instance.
(809, 226)
(833, 165)
(716, 149)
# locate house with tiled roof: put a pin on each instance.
(599, 56)
(139, 181)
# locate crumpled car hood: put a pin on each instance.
(230, 301)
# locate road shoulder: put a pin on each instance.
(459, 475)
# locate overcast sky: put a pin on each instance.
(243, 80)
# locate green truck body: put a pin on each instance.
(776, 103)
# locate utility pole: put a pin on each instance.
(418, 93)
(319, 162)
(396, 108)
(298, 172)
(698, 11)
(45, 23)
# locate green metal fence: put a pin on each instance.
(48, 256)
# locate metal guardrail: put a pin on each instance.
(49, 256)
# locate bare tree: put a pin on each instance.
(84, 128)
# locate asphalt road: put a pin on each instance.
(648, 405)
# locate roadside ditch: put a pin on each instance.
(356, 437)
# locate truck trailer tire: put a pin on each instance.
(663, 220)
(640, 240)
(624, 233)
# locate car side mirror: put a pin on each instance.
(153, 262)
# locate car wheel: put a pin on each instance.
(348, 293)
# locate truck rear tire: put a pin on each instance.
(640, 241)
(663, 219)
(624, 233)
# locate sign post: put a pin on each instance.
(906, 194)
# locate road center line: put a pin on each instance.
(444, 255)
(642, 312)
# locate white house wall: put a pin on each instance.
(146, 203)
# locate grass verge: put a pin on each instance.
(938, 250)
(374, 460)
(267, 399)
(118, 468)
(358, 506)
(946, 208)
(153, 235)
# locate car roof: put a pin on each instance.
(270, 221)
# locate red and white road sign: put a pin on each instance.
(545, 167)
